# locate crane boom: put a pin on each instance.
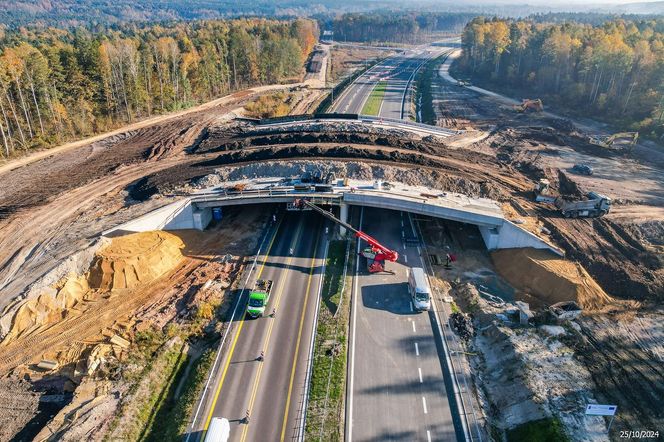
(381, 252)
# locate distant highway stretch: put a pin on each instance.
(396, 387)
(259, 383)
(396, 71)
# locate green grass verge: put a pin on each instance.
(424, 94)
(373, 103)
(151, 411)
(325, 409)
(543, 430)
(172, 417)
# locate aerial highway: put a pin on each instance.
(397, 71)
(396, 388)
(259, 383)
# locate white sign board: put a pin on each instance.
(601, 410)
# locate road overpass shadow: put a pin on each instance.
(392, 297)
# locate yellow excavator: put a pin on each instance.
(528, 105)
(620, 141)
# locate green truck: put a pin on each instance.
(258, 298)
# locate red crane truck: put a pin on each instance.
(376, 253)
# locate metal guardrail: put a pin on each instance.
(466, 407)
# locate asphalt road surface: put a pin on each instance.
(272, 390)
(396, 388)
(397, 71)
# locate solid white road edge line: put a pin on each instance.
(303, 420)
(349, 424)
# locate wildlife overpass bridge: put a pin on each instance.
(196, 210)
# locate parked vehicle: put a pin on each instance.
(419, 289)
(583, 169)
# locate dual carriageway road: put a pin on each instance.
(397, 71)
(396, 387)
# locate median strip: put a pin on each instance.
(374, 102)
(325, 408)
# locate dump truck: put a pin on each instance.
(258, 298)
(596, 205)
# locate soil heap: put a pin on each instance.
(549, 278)
(133, 260)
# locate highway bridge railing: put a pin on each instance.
(436, 130)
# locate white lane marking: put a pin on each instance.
(405, 258)
(428, 436)
(419, 371)
(411, 306)
(413, 326)
(352, 358)
(424, 404)
(417, 350)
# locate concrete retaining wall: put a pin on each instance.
(179, 215)
(511, 236)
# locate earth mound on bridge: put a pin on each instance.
(133, 260)
(549, 278)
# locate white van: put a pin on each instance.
(219, 430)
(418, 286)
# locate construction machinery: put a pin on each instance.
(596, 205)
(528, 105)
(376, 253)
(542, 191)
(620, 141)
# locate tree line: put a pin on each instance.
(613, 71)
(406, 27)
(60, 84)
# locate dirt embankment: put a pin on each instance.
(615, 255)
(126, 263)
(222, 139)
(549, 278)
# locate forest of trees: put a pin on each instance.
(393, 27)
(57, 84)
(614, 71)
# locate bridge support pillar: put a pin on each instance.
(343, 216)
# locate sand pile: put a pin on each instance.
(133, 260)
(549, 278)
(126, 262)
